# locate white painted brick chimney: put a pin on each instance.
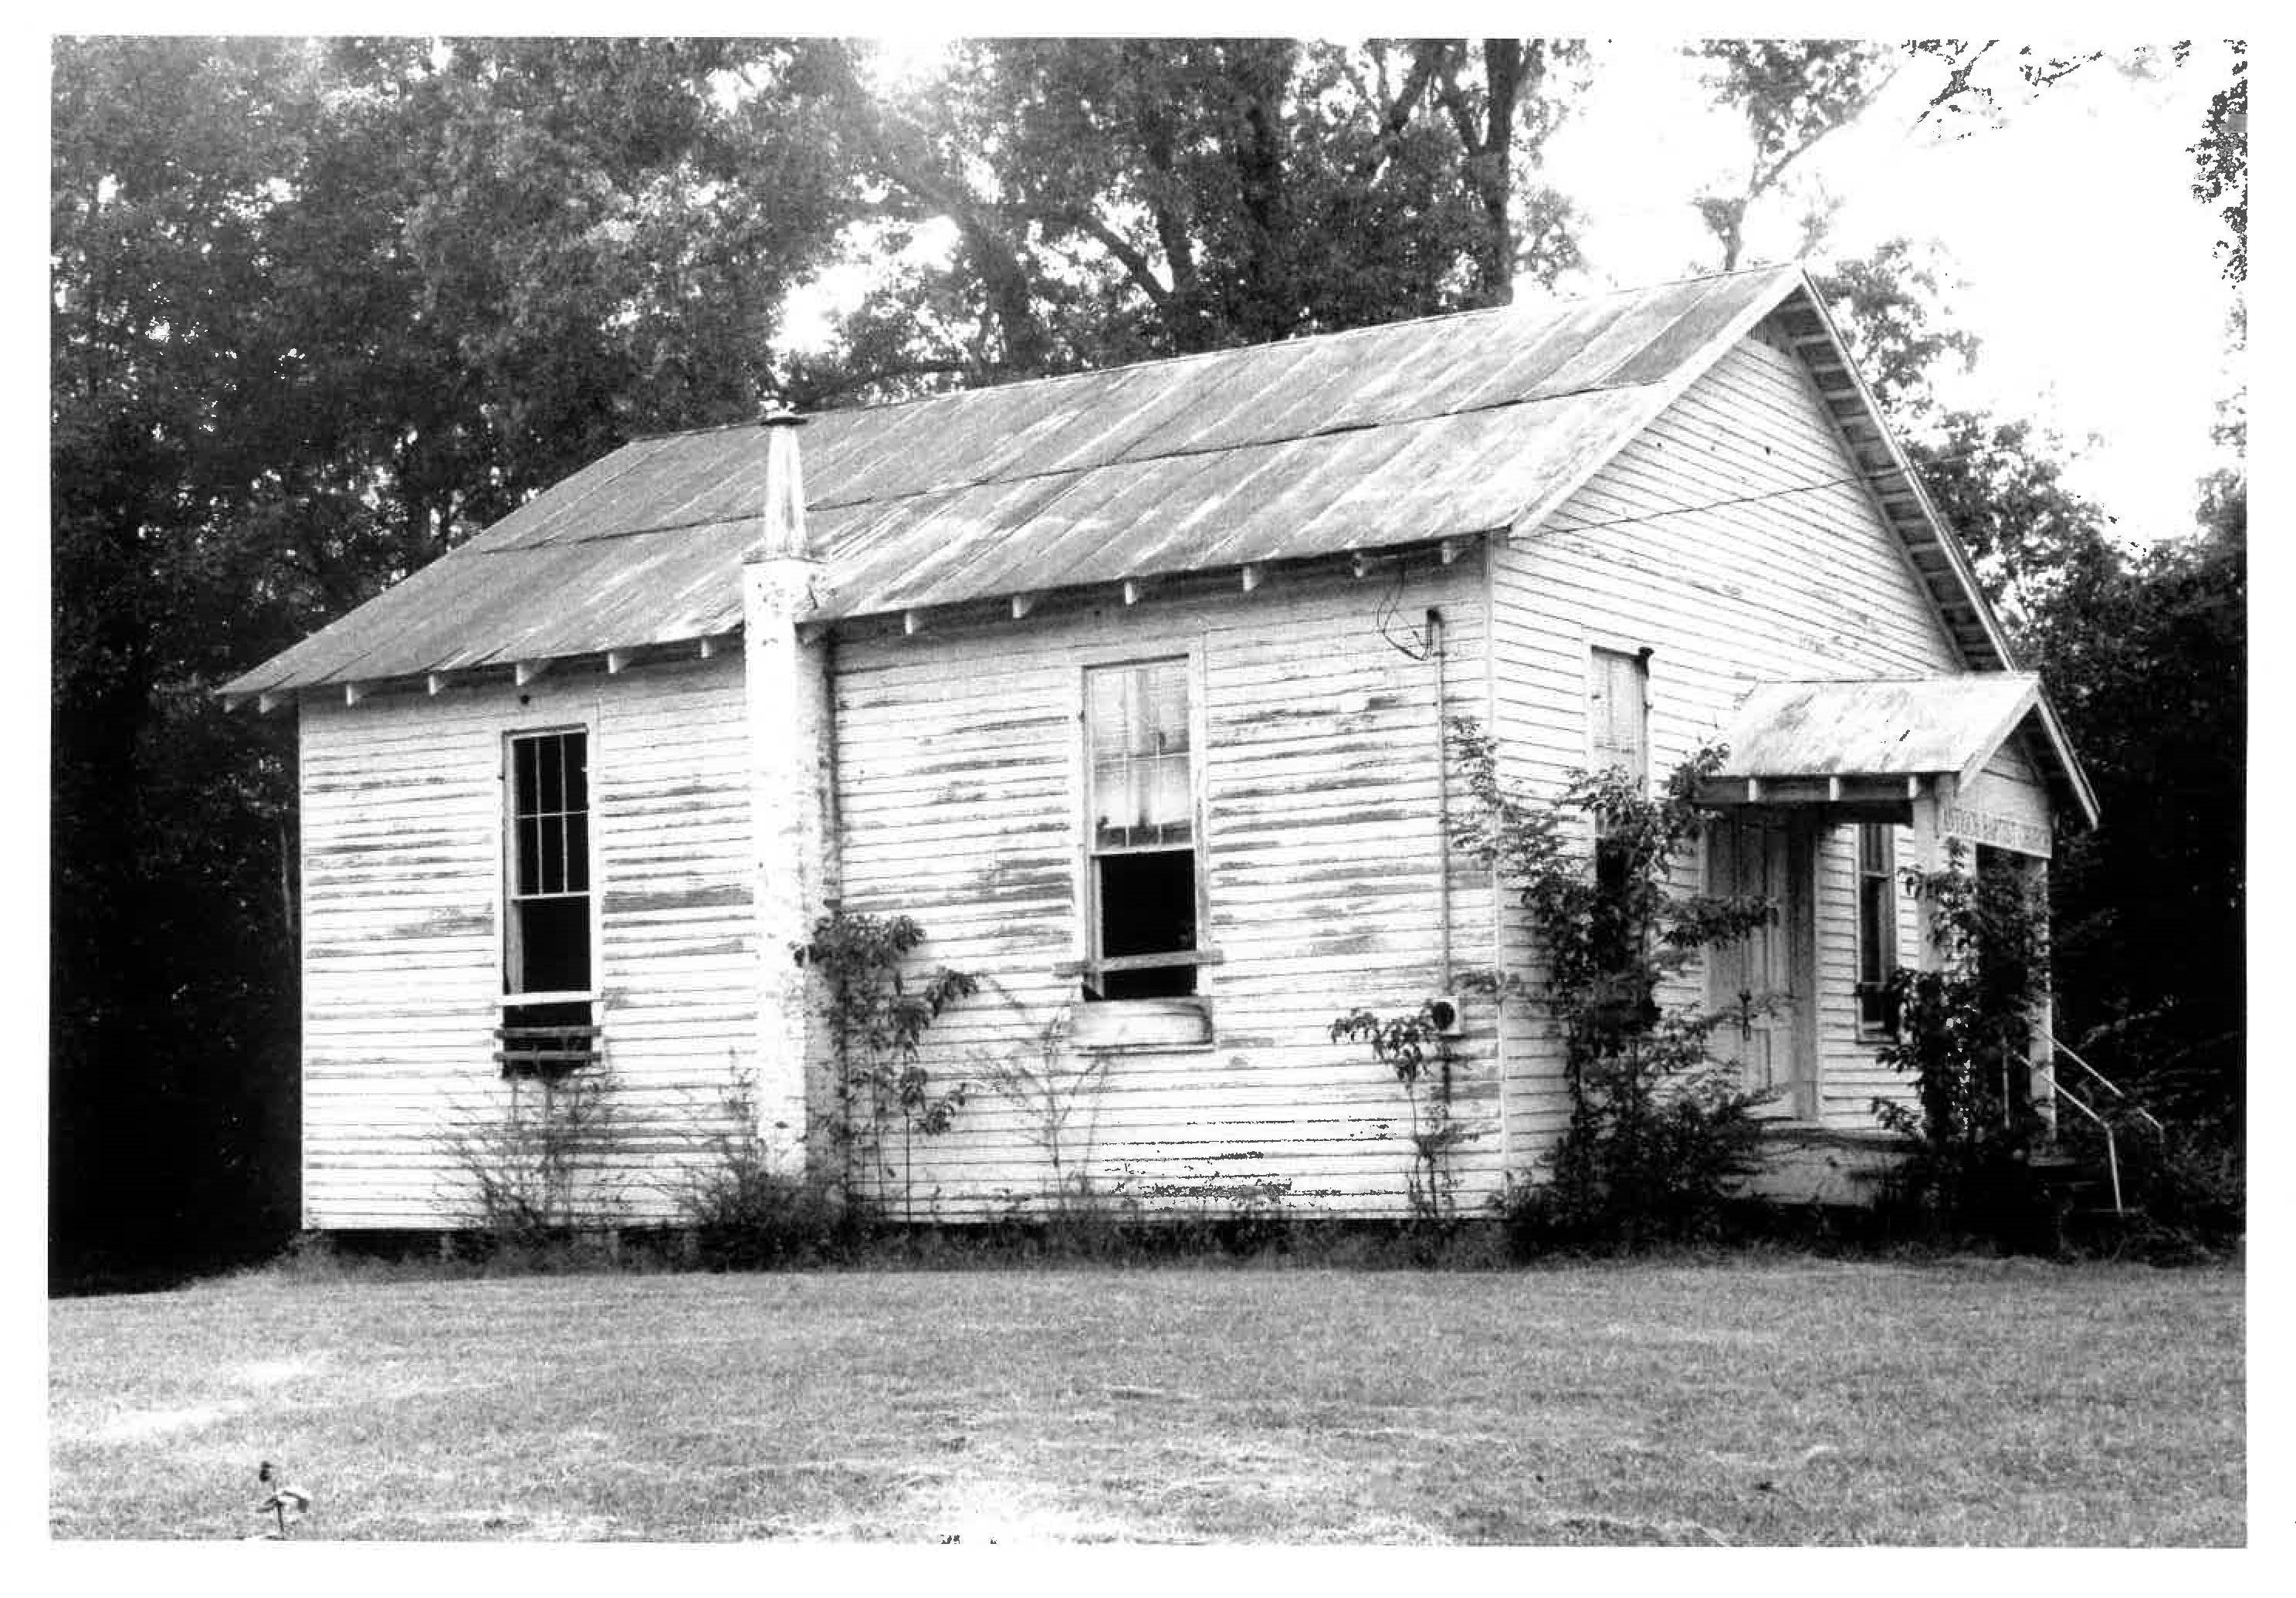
(787, 680)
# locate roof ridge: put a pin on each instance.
(1405, 427)
(1493, 311)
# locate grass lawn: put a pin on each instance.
(1770, 1402)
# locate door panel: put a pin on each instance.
(1760, 982)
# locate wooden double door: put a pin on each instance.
(1763, 984)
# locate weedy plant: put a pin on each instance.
(1660, 1128)
(747, 1212)
(543, 1162)
(878, 1017)
(1414, 1049)
(1057, 1096)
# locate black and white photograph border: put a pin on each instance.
(1314, 791)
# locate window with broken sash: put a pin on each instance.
(1143, 866)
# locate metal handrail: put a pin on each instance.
(2111, 1088)
(2112, 1154)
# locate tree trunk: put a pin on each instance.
(1271, 307)
(1490, 168)
(1026, 348)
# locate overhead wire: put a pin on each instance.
(1769, 493)
(1420, 646)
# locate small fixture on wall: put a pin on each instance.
(1444, 1009)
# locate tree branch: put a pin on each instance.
(1134, 262)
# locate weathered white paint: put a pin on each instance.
(792, 822)
(937, 772)
(959, 773)
(1783, 582)
(402, 967)
(2007, 807)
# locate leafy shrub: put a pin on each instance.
(746, 1213)
(751, 1217)
(1658, 1144)
(877, 1020)
(1659, 1130)
(2185, 1193)
(1965, 1035)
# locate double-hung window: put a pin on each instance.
(1877, 928)
(1141, 841)
(547, 959)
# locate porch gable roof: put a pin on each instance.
(1902, 727)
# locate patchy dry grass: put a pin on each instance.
(1773, 1402)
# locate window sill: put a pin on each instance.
(1096, 968)
(1121, 1026)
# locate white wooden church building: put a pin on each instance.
(1130, 687)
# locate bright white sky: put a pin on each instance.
(2087, 268)
(2085, 265)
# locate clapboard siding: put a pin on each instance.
(1725, 538)
(402, 860)
(1794, 578)
(1851, 1072)
(958, 787)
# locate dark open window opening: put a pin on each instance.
(546, 942)
(1148, 907)
(1877, 929)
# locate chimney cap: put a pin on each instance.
(774, 413)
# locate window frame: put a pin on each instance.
(1869, 995)
(507, 859)
(1091, 963)
(1639, 658)
(1599, 653)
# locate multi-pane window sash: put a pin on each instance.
(1142, 786)
(1877, 926)
(551, 809)
(549, 886)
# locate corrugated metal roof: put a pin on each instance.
(1443, 427)
(1896, 727)
(1919, 727)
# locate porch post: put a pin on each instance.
(787, 684)
(2041, 1083)
(1928, 855)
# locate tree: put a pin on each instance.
(1976, 73)
(1793, 94)
(2149, 660)
(157, 170)
(1113, 200)
(1886, 303)
(317, 312)
(2221, 157)
(2142, 652)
